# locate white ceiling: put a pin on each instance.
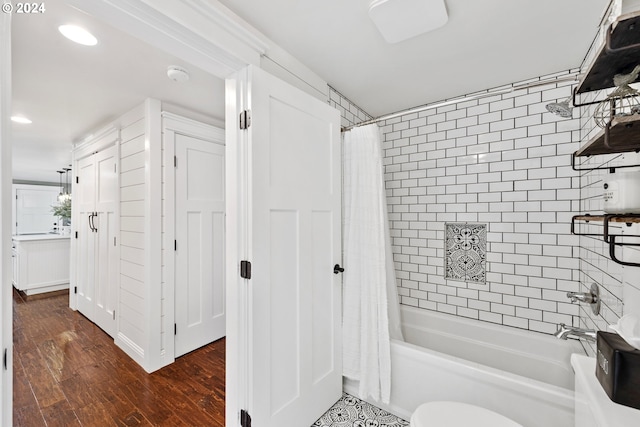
(484, 44)
(69, 90)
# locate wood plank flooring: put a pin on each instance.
(68, 372)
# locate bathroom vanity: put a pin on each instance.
(40, 263)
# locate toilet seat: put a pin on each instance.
(457, 414)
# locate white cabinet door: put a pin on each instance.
(199, 273)
(97, 266)
(105, 224)
(294, 238)
(84, 202)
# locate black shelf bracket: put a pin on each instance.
(606, 236)
(612, 253)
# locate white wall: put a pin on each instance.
(6, 335)
(502, 161)
(131, 315)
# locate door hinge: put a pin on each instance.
(114, 315)
(77, 180)
(175, 329)
(175, 245)
(114, 241)
(245, 119)
(76, 234)
(245, 269)
(245, 419)
(4, 359)
(175, 161)
(75, 289)
(115, 168)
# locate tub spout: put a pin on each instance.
(565, 332)
(586, 297)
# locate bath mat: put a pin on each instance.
(350, 411)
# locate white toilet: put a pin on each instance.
(456, 414)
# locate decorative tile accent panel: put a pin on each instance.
(350, 411)
(465, 252)
(503, 161)
(350, 113)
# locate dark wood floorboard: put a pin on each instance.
(68, 372)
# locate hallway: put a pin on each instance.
(68, 372)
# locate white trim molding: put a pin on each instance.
(6, 312)
(187, 29)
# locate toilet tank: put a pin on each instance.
(593, 408)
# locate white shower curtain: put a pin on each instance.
(371, 314)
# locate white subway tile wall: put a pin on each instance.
(350, 113)
(501, 160)
(596, 266)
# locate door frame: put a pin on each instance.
(207, 35)
(6, 297)
(173, 124)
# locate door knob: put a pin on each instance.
(337, 269)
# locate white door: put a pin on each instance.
(84, 198)
(105, 225)
(33, 209)
(199, 273)
(294, 371)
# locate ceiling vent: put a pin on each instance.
(399, 20)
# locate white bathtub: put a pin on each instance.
(523, 375)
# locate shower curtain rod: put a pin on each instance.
(569, 77)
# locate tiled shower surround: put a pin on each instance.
(504, 161)
(350, 113)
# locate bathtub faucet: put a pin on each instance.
(565, 332)
(587, 297)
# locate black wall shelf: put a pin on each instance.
(612, 240)
(619, 54)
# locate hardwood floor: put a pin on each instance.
(68, 372)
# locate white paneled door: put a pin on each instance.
(84, 199)
(97, 199)
(294, 238)
(199, 210)
(105, 225)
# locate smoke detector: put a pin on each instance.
(399, 20)
(177, 74)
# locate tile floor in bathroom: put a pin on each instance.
(350, 411)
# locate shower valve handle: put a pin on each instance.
(337, 269)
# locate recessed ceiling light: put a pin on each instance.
(78, 35)
(21, 119)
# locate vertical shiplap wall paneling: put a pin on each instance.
(153, 235)
(503, 161)
(167, 270)
(131, 315)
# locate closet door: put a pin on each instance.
(84, 199)
(105, 224)
(199, 274)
